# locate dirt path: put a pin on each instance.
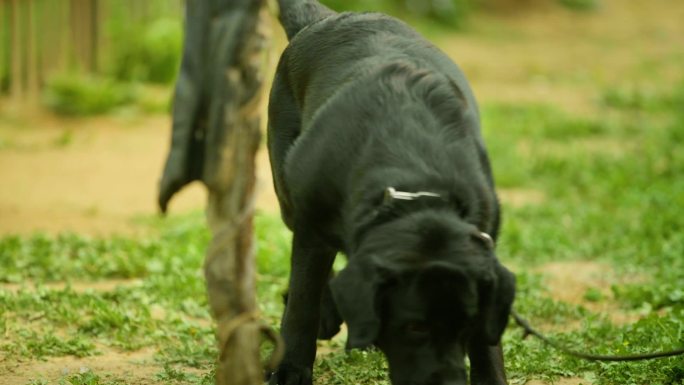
(137, 367)
(90, 176)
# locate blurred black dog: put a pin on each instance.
(376, 151)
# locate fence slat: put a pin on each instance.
(4, 44)
(32, 86)
(16, 76)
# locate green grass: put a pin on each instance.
(612, 191)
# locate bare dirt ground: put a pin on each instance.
(136, 367)
(96, 176)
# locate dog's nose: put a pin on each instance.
(458, 378)
(434, 379)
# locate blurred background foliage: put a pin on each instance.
(85, 57)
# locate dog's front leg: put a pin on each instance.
(311, 263)
(486, 364)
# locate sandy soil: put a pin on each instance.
(135, 367)
(91, 176)
(562, 381)
(96, 176)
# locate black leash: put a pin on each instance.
(591, 357)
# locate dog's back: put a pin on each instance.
(359, 80)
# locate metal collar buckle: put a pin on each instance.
(391, 194)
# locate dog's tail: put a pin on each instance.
(296, 15)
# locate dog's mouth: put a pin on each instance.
(407, 376)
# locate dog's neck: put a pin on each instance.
(394, 203)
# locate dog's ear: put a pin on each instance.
(354, 291)
(497, 299)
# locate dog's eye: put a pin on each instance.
(416, 328)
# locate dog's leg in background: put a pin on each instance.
(331, 320)
(311, 263)
(486, 364)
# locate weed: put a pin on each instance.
(64, 140)
(581, 5)
(79, 95)
(148, 53)
(85, 378)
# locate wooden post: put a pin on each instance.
(216, 133)
(229, 266)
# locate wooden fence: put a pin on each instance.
(39, 38)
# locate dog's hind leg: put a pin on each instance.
(284, 126)
(311, 263)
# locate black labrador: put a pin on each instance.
(376, 151)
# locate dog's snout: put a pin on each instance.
(439, 378)
(435, 379)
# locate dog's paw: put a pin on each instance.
(291, 375)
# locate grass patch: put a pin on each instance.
(164, 308)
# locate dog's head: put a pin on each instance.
(422, 288)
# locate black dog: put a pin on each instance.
(376, 151)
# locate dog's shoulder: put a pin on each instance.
(343, 44)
